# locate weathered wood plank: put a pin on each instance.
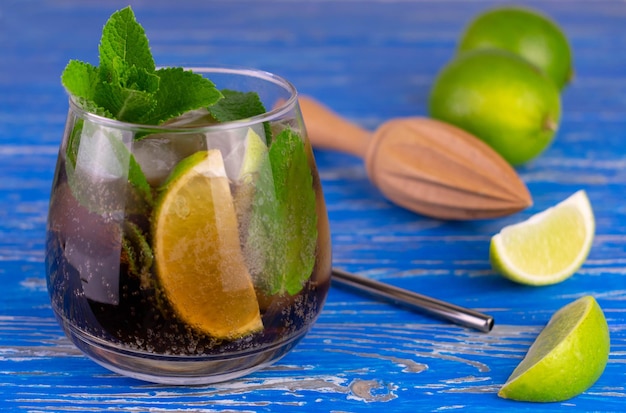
(370, 61)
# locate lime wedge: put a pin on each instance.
(200, 265)
(254, 156)
(548, 247)
(567, 357)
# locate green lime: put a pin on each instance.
(254, 156)
(500, 98)
(567, 358)
(548, 247)
(526, 32)
(200, 265)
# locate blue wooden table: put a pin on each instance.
(370, 61)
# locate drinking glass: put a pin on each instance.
(194, 251)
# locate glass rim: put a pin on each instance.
(273, 113)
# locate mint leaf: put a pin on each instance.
(293, 183)
(80, 79)
(239, 105)
(73, 142)
(282, 233)
(139, 186)
(137, 254)
(130, 93)
(124, 38)
(181, 91)
(138, 180)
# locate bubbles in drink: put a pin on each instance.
(102, 265)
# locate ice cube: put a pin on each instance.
(158, 154)
(98, 177)
(102, 153)
(91, 242)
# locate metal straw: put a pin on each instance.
(414, 301)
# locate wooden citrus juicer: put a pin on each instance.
(424, 165)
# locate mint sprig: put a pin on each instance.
(127, 86)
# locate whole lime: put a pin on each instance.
(526, 32)
(501, 98)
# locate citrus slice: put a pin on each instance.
(254, 156)
(567, 357)
(548, 247)
(200, 266)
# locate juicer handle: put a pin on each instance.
(328, 130)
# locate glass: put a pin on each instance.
(191, 252)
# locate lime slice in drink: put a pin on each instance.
(254, 156)
(548, 247)
(200, 265)
(567, 357)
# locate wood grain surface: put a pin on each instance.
(369, 61)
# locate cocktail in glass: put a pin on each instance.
(192, 251)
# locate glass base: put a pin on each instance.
(178, 370)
